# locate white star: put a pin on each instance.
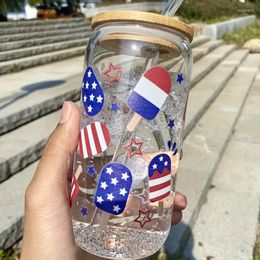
(99, 99)
(116, 208)
(154, 166)
(94, 85)
(83, 84)
(100, 199)
(123, 192)
(90, 108)
(85, 98)
(161, 159)
(110, 196)
(165, 163)
(104, 185)
(91, 97)
(114, 181)
(125, 176)
(86, 85)
(89, 73)
(109, 170)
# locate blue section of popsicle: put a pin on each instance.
(92, 93)
(113, 188)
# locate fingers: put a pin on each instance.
(180, 203)
(51, 175)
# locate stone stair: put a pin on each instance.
(222, 76)
(31, 43)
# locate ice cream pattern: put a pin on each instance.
(94, 139)
(150, 92)
(159, 177)
(113, 188)
(92, 93)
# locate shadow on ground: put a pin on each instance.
(26, 90)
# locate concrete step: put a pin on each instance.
(43, 34)
(31, 23)
(235, 194)
(28, 29)
(208, 62)
(204, 147)
(27, 62)
(40, 41)
(37, 50)
(199, 40)
(19, 113)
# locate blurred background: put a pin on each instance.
(42, 45)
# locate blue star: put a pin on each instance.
(84, 211)
(180, 78)
(91, 170)
(171, 124)
(115, 107)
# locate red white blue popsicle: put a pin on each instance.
(150, 93)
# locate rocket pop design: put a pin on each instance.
(150, 93)
(113, 188)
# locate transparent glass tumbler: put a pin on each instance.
(133, 101)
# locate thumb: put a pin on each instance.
(51, 177)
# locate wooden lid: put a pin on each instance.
(139, 45)
(144, 17)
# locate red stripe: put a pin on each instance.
(75, 192)
(160, 77)
(106, 134)
(80, 146)
(157, 174)
(96, 137)
(160, 197)
(160, 186)
(87, 143)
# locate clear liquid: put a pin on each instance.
(118, 242)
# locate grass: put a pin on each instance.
(256, 253)
(244, 34)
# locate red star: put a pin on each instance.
(113, 73)
(134, 148)
(143, 218)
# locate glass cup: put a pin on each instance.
(133, 101)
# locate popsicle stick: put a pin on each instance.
(160, 208)
(135, 120)
(104, 220)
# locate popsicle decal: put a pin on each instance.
(92, 93)
(159, 177)
(150, 93)
(113, 188)
(94, 139)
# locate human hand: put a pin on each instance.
(48, 230)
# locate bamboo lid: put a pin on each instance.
(144, 17)
(139, 45)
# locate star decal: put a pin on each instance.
(134, 148)
(115, 107)
(99, 199)
(91, 170)
(180, 78)
(84, 211)
(113, 73)
(143, 218)
(116, 208)
(171, 123)
(109, 170)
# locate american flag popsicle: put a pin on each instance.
(94, 139)
(112, 191)
(149, 95)
(159, 177)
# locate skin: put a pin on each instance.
(47, 226)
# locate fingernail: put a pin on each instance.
(65, 112)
